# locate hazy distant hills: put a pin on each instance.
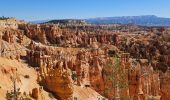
(39, 21)
(147, 20)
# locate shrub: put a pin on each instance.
(51, 95)
(74, 75)
(9, 96)
(26, 76)
(151, 98)
(27, 98)
(75, 98)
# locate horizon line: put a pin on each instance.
(81, 18)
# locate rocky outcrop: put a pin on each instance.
(65, 37)
(10, 23)
(82, 69)
(35, 32)
(58, 80)
(96, 77)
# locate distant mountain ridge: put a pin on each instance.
(68, 21)
(39, 21)
(147, 20)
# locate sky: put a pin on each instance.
(31, 10)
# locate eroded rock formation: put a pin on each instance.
(125, 64)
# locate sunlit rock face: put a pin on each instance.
(96, 78)
(11, 43)
(57, 79)
(82, 69)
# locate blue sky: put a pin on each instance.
(60, 9)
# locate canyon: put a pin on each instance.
(86, 62)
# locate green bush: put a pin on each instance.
(9, 96)
(75, 98)
(51, 95)
(151, 98)
(27, 98)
